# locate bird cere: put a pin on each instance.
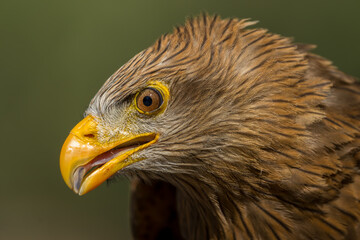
(225, 132)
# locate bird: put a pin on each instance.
(225, 131)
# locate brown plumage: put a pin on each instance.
(260, 138)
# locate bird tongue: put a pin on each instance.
(104, 158)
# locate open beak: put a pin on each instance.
(85, 163)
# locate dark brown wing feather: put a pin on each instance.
(153, 211)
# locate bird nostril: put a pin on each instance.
(89, 135)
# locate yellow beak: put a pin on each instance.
(85, 163)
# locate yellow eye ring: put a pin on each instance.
(152, 99)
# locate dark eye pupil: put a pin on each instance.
(147, 101)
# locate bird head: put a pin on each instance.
(214, 105)
(252, 131)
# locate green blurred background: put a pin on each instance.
(54, 55)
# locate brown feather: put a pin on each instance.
(260, 138)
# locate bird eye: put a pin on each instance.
(149, 100)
